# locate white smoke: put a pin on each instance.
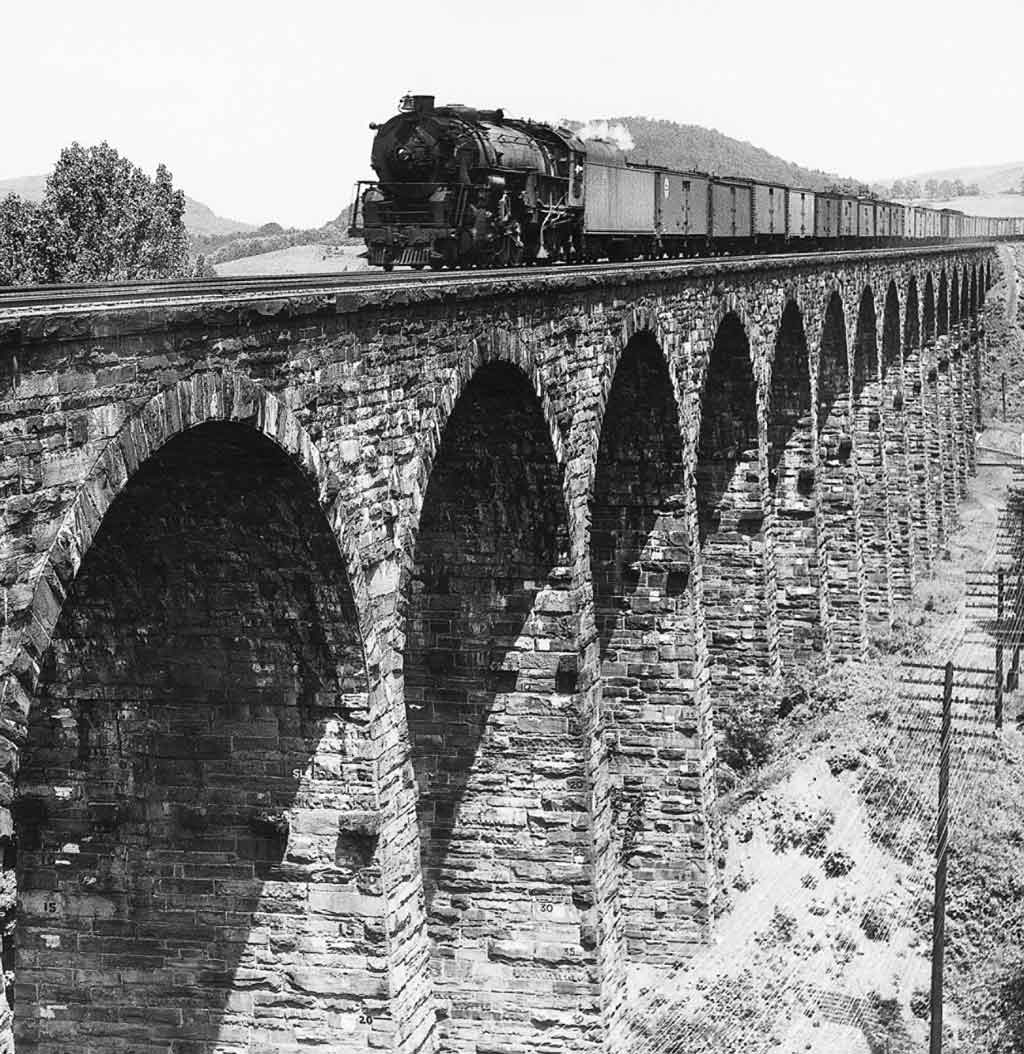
(616, 133)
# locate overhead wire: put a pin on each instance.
(919, 757)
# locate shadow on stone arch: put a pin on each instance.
(496, 743)
(731, 496)
(942, 309)
(792, 483)
(891, 332)
(912, 320)
(186, 880)
(928, 312)
(645, 616)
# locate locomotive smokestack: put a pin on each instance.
(423, 103)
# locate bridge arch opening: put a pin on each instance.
(974, 292)
(791, 479)
(954, 300)
(965, 297)
(928, 312)
(731, 497)
(197, 733)
(840, 528)
(490, 683)
(894, 424)
(912, 321)
(868, 410)
(650, 656)
(942, 310)
(891, 332)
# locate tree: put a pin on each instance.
(21, 242)
(945, 190)
(931, 189)
(102, 219)
(899, 189)
(913, 188)
(973, 190)
(958, 188)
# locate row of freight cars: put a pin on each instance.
(633, 209)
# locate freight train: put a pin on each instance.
(459, 187)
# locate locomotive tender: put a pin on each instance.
(460, 187)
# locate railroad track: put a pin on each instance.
(20, 300)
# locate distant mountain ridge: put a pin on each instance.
(991, 179)
(692, 147)
(199, 218)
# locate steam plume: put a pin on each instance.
(616, 133)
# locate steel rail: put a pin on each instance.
(58, 298)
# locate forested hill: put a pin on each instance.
(689, 146)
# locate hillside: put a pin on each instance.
(991, 179)
(689, 146)
(199, 218)
(983, 205)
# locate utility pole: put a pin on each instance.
(941, 854)
(999, 649)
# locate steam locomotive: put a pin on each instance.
(459, 187)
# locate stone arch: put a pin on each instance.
(202, 686)
(954, 300)
(497, 346)
(928, 313)
(651, 653)
(894, 427)
(731, 492)
(492, 706)
(839, 525)
(974, 292)
(942, 308)
(891, 347)
(202, 397)
(870, 456)
(912, 318)
(965, 296)
(791, 477)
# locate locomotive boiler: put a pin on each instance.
(460, 187)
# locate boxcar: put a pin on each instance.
(732, 208)
(847, 217)
(618, 200)
(681, 204)
(769, 210)
(826, 216)
(866, 225)
(897, 220)
(800, 213)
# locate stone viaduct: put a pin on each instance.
(365, 650)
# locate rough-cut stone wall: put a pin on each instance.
(650, 666)
(200, 727)
(495, 736)
(791, 475)
(570, 517)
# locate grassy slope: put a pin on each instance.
(298, 259)
(819, 952)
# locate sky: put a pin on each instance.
(261, 110)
